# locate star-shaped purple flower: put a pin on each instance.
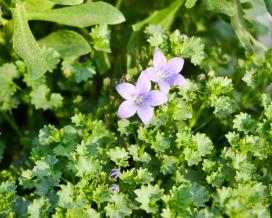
(139, 99)
(165, 73)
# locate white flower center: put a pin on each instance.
(138, 100)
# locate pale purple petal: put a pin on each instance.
(180, 80)
(174, 65)
(126, 90)
(145, 112)
(143, 84)
(156, 98)
(126, 109)
(159, 59)
(176, 79)
(164, 87)
(150, 73)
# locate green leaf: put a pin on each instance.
(44, 167)
(25, 44)
(66, 196)
(41, 98)
(195, 146)
(223, 106)
(38, 5)
(190, 3)
(163, 18)
(244, 122)
(268, 4)
(7, 197)
(87, 166)
(67, 2)
(52, 58)
(193, 48)
(219, 86)
(81, 71)
(221, 6)
(148, 196)
(184, 195)
(119, 156)
(101, 38)
(118, 206)
(180, 109)
(82, 15)
(39, 208)
(67, 43)
(162, 142)
(8, 72)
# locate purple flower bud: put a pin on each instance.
(114, 188)
(115, 173)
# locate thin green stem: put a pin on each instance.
(12, 123)
(197, 115)
(200, 126)
(141, 151)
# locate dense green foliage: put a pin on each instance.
(206, 153)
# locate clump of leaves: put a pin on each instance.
(206, 152)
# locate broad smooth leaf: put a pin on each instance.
(67, 43)
(25, 44)
(67, 2)
(82, 15)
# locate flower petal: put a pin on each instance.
(126, 109)
(150, 73)
(145, 112)
(164, 87)
(174, 65)
(143, 84)
(159, 59)
(156, 98)
(180, 80)
(177, 79)
(126, 90)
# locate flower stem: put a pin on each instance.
(12, 123)
(197, 115)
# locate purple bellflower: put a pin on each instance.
(139, 99)
(165, 73)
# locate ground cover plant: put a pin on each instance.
(135, 108)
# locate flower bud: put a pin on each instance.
(115, 173)
(114, 188)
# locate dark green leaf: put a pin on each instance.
(268, 4)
